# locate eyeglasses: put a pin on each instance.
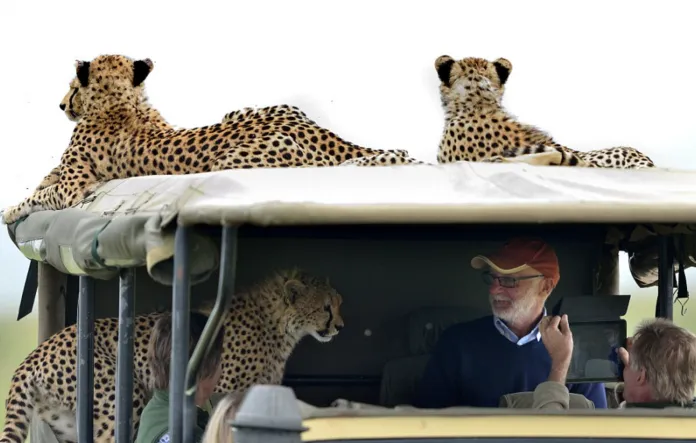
(506, 282)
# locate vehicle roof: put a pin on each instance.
(126, 222)
(467, 192)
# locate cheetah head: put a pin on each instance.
(312, 306)
(72, 102)
(110, 83)
(472, 81)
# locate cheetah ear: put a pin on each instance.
(141, 69)
(291, 291)
(503, 67)
(443, 66)
(82, 71)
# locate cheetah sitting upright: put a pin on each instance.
(478, 127)
(261, 329)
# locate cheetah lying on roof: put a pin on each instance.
(71, 105)
(478, 127)
(45, 383)
(114, 139)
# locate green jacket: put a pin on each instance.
(154, 421)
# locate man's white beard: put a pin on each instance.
(519, 309)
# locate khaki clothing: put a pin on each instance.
(548, 395)
(154, 421)
(555, 396)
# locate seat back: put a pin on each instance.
(400, 376)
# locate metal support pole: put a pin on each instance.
(51, 300)
(665, 291)
(226, 281)
(180, 333)
(124, 363)
(85, 358)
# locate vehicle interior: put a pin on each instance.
(402, 285)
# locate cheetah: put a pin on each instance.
(114, 139)
(261, 329)
(71, 105)
(478, 127)
(396, 157)
(308, 129)
(619, 157)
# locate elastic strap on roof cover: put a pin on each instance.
(95, 246)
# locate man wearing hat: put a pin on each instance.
(476, 362)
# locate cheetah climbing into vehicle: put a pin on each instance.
(261, 329)
(477, 126)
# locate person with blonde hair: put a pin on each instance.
(659, 365)
(154, 420)
(219, 427)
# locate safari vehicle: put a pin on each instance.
(396, 242)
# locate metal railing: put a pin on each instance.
(124, 357)
(182, 412)
(85, 361)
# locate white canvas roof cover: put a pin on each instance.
(466, 192)
(653, 200)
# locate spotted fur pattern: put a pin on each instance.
(398, 157)
(71, 105)
(620, 157)
(261, 329)
(114, 139)
(478, 127)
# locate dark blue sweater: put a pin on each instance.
(473, 364)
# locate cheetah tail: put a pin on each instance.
(572, 158)
(545, 155)
(19, 406)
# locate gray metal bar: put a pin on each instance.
(124, 356)
(180, 333)
(85, 358)
(226, 281)
(665, 288)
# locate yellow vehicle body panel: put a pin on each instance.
(510, 426)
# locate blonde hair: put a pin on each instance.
(667, 354)
(160, 349)
(219, 428)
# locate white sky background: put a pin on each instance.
(594, 74)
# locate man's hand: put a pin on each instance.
(624, 355)
(558, 340)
